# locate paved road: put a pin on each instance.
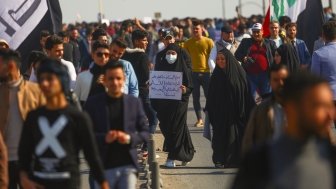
(199, 174)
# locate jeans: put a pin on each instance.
(259, 83)
(124, 177)
(199, 79)
(150, 113)
(13, 174)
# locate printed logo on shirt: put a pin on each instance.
(50, 133)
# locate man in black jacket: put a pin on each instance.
(120, 125)
(44, 34)
(68, 49)
(302, 158)
(53, 136)
(74, 41)
(141, 64)
(256, 56)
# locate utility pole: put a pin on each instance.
(264, 7)
(100, 14)
(223, 8)
(239, 11)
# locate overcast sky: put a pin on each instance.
(86, 10)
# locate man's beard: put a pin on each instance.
(3, 79)
(279, 93)
(307, 127)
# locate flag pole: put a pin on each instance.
(330, 4)
(240, 12)
(223, 8)
(263, 7)
(100, 17)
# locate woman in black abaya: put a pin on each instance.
(172, 114)
(228, 104)
(286, 54)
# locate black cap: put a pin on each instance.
(161, 30)
(167, 33)
(227, 29)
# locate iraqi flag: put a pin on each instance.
(266, 24)
(21, 22)
(308, 14)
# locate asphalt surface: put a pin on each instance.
(199, 174)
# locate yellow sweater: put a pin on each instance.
(199, 51)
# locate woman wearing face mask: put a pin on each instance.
(228, 105)
(172, 114)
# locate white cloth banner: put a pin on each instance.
(165, 85)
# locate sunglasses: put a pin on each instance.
(101, 54)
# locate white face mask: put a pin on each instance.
(171, 59)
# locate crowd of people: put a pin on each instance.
(269, 103)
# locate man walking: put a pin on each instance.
(256, 55)
(3, 164)
(299, 45)
(227, 41)
(324, 59)
(302, 158)
(275, 33)
(117, 50)
(17, 98)
(199, 49)
(120, 125)
(140, 62)
(90, 82)
(53, 136)
(55, 49)
(267, 120)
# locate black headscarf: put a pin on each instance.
(172, 113)
(289, 57)
(229, 97)
(182, 64)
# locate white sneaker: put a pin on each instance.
(185, 163)
(170, 163)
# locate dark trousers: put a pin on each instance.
(72, 183)
(13, 174)
(259, 84)
(150, 113)
(199, 79)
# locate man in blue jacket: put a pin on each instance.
(299, 45)
(90, 82)
(324, 59)
(117, 50)
(120, 124)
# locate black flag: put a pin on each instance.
(21, 22)
(310, 23)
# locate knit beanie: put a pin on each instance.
(55, 66)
